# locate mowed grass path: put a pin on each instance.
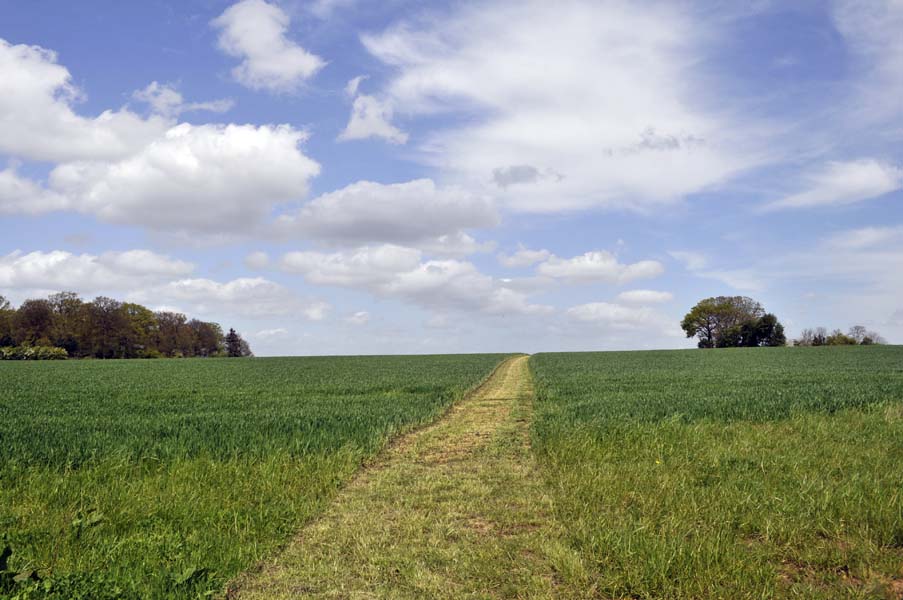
(166, 478)
(457, 510)
(740, 473)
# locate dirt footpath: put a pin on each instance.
(455, 510)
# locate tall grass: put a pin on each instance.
(166, 478)
(748, 473)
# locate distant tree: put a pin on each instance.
(865, 337)
(820, 337)
(838, 338)
(233, 344)
(33, 323)
(858, 333)
(108, 328)
(805, 338)
(69, 322)
(727, 321)
(173, 334)
(6, 323)
(207, 338)
(141, 326)
(236, 346)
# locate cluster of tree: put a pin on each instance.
(856, 336)
(107, 328)
(732, 321)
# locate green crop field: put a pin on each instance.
(166, 478)
(741, 473)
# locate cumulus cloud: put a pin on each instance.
(372, 117)
(59, 270)
(122, 168)
(598, 266)
(164, 99)
(255, 31)
(411, 213)
(594, 108)
(398, 272)
(523, 257)
(644, 297)
(37, 120)
(24, 196)
(839, 183)
(211, 178)
(257, 260)
(245, 297)
(614, 315)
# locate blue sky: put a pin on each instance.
(340, 176)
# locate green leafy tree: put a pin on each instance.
(108, 328)
(69, 322)
(33, 323)
(6, 323)
(718, 322)
(141, 325)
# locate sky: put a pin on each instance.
(353, 177)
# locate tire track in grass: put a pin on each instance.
(455, 510)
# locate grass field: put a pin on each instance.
(742, 473)
(166, 478)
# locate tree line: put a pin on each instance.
(858, 335)
(738, 321)
(108, 328)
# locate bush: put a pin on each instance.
(33, 353)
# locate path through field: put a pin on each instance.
(455, 510)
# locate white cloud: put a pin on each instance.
(411, 213)
(601, 266)
(745, 279)
(367, 266)
(245, 297)
(214, 179)
(643, 297)
(872, 30)
(371, 117)
(839, 183)
(397, 272)
(693, 261)
(623, 318)
(593, 107)
(37, 120)
(865, 237)
(277, 333)
(254, 31)
(164, 99)
(323, 9)
(523, 257)
(257, 260)
(211, 178)
(353, 85)
(21, 195)
(361, 317)
(58, 270)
